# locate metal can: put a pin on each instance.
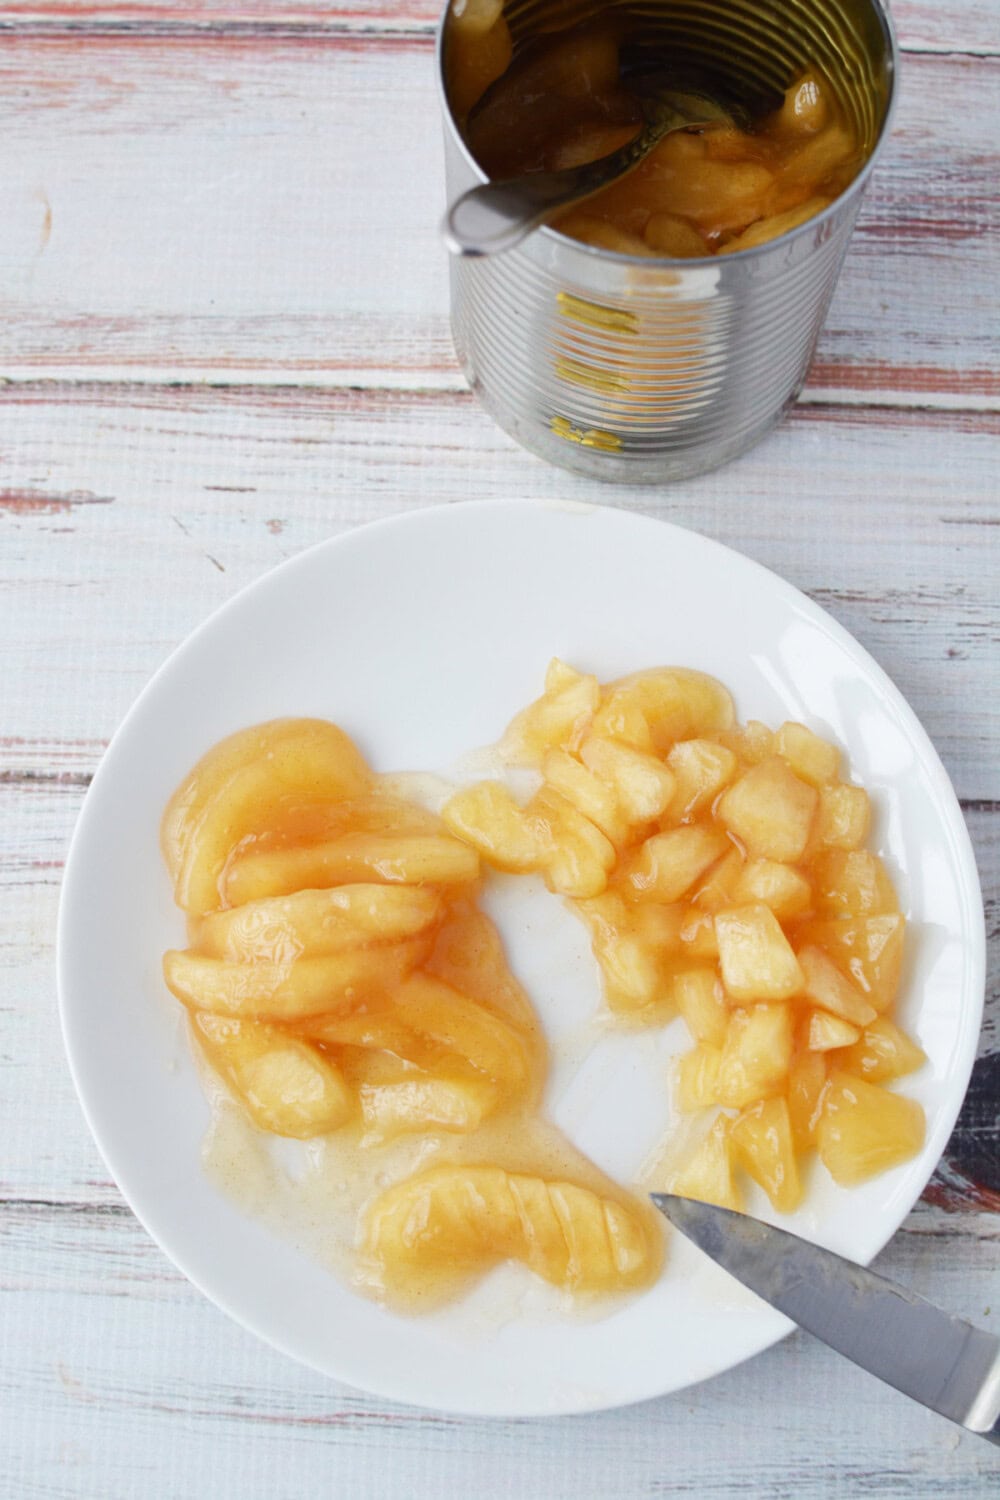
(646, 369)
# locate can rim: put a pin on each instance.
(619, 257)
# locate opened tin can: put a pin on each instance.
(648, 369)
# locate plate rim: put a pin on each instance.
(965, 866)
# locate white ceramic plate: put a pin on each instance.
(422, 636)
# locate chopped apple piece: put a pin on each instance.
(487, 817)
(701, 768)
(762, 1140)
(868, 949)
(421, 1101)
(756, 1055)
(813, 759)
(883, 1053)
(865, 1130)
(288, 1086)
(827, 1032)
(778, 886)
(697, 1079)
(643, 785)
(828, 988)
(708, 1176)
(673, 704)
(581, 856)
(721, 883)
(697, 934)
(699, 998)
(770, 810)
(751, 744)
(843, 819)
(853, 883)
(589, 794)
(806, 1082)
(756, 958)
(668, 864)
(559, 718)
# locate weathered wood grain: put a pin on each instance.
(949, 26)
(232, 207)
(129, 513)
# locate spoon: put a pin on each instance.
(496, 216)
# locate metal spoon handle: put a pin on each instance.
(496, 216)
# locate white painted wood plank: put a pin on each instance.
(242, 208)
(126, 515)
(128, 1383)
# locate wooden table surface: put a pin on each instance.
(224, 338)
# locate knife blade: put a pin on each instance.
(942, 1362)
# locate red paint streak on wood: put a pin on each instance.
(953, 1191)
(42, 503)
(880, 375)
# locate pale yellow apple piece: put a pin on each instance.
(559, 718)
(701, 1002)
(868, 949)
(883, 1053)
(396, 1100)
(865, 1130)
(701, 768)
(811, 758)
(708, 1175)
(452, 1221)
(280, 928)
(852, 883)
(843, 820)
(488, 1041)
(673, 703)
(828, 988)
(827, 1032)
(770, 810)
(668, 864)
(756, 1056)
(698, 1079)
(751, 743)
(642, 784)
(273, 766)
(581, 855)
(488, 817)
(756, 958)
(289, 991)
(761, 1138)
(287, 1086)
(782, 888)
(403, 859)
(718, 889)
(588, 793)
(806, 1083)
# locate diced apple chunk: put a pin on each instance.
(756, 958)
(853, 883)
(581, 856)
(487, 817)
(591, 796)
(708, 1176)
(806, 1082)
(778, 886)
(770, 811)
(700, 1000)
(751, 744)
(668, 864)
(843, 819)
(883, 1053)
(828, 988)
(673, 702)
(762, 1140)
(827, 1032)
(813, 759)
(697, 1079)
(701, 768)
(559, 718)
(719, 887)
(756, 1055)
(865, 1130)
(868, 949)
(643, 785)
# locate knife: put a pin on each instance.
(942, 1362)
